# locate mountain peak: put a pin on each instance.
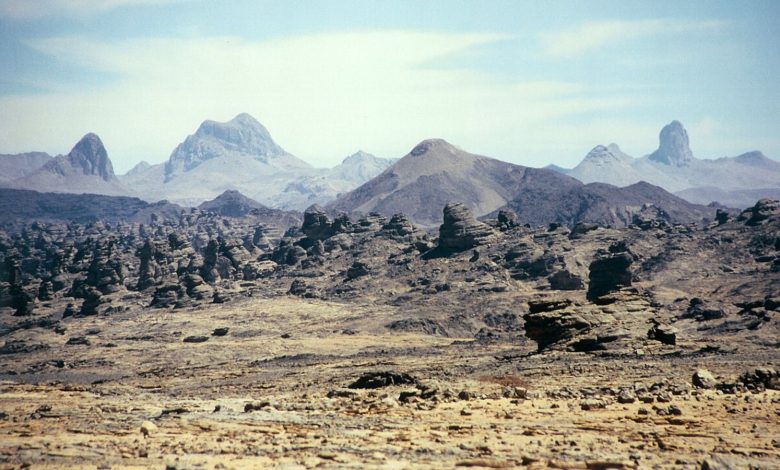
(673, 148)
(242, 135)
(430, 144)
(601, 155)
(90, 155)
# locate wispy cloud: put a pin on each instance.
(322, 96)
(589, 36)
(36, 9)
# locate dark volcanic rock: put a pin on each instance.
(761, 211)
(538, 306)
(549, 327)
(418, 325)
(609, 273)
(382, 379)
(300, 288)
(700, 310)
(666, 334)
(565, 280)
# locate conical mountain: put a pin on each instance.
(86, 169)
(88, 157)
(435, 173)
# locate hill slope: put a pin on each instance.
(435, 173)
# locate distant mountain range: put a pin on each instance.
(731, 181)
(239, 165)
(236, 155)
(435, 173)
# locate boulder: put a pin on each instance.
(703, 378)
(763, 210)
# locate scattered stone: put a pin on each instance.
(666, 334)
(148, 428)
(702, 378)
(382, 379)
(220, 331)
(78, 340)
(195, 339)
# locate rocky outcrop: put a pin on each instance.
(461, 231)
(608, 273)
(760, 212)
(400, 228)
(316, 223)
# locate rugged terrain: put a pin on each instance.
(205, 341)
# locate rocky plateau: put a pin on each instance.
(216, 338)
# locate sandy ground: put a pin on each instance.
(138, 396)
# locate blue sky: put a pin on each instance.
(527, 82)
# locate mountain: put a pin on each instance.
(234, 204)
(138, 169)
(435, 173)
(20, 165)
(674, 167)
(674, 148)
(603, 204)
(241, 137)
(20, 207)
(235, 155)
(241, 155)
(326, 186)
(86, 169)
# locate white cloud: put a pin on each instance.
(574, 42)
(35, 9)
(321, 96)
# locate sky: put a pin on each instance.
(528, 82)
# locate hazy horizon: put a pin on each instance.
(527, 83)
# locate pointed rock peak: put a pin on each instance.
(90, 145)
(673, 148)
(427, 145)
(90, 154)
(231, 194)
(614, 148)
